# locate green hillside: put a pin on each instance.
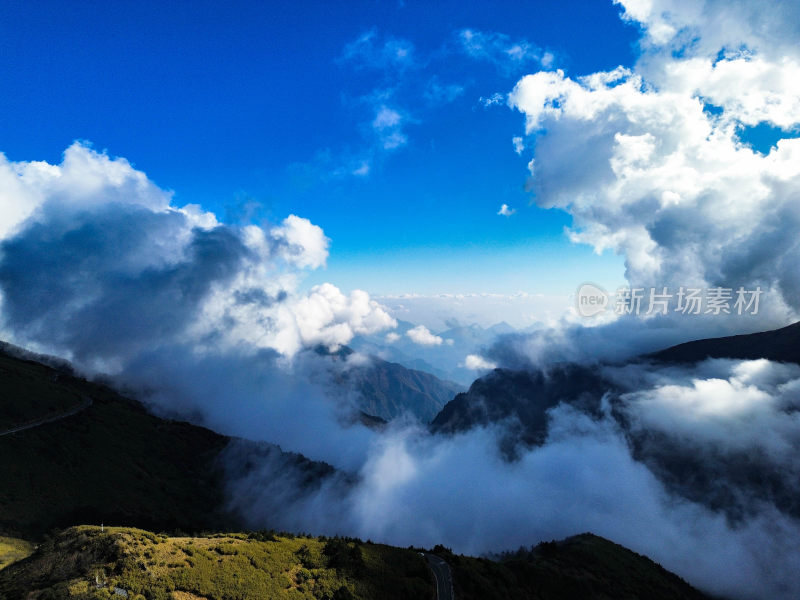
(13, 549)
(83, 562)
(87, 563)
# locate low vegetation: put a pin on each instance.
(87, 563)
(13, 549)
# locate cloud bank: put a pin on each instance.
(417, 489)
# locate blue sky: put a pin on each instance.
(375, 120)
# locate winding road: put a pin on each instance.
(444, 579)
(87, 402)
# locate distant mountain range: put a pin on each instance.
(522, 397)
(388, 390)
(445, 360)
(519, 400)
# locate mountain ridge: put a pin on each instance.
(780, 345)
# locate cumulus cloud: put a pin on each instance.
(475, 362)
(421, 335)
(97, 264)
(304, 243)
(647, 170)
(710, 26)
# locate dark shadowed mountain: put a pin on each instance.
(89, 455)
(781, 345)
(580, 567)
(735, 481)
(520, 400)
(522, 397)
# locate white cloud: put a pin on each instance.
(710, 26)
(505, 211)
(475, 362)
(84, 178)
(421, 335)
(386, 118)
(143, 272)
(496, 98)
(735, 406)
(304, 243)
(647, 171)
(519, 144)
(392, 337)
(387, 125)
(326, 316)
(508, 55)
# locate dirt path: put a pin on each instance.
(87, 402)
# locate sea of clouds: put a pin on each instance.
(206, 320)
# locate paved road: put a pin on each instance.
(87, 402)
(444, 579)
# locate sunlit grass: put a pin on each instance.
(13, 549)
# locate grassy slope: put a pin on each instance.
(257, 566)
(110, 463)
(218, 567)
(13, 549)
